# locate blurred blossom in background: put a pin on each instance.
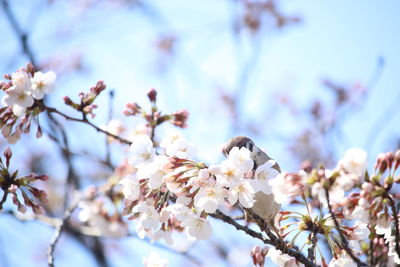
(305, 79)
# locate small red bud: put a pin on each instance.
(152, 95)
(39, 132)
(30, 68)
(8, 155)
(67, 100)
(397, 159)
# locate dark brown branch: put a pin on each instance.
(279, 243)
(85, 121)
(342, 238)
(311, 249)
(225, 218)
(396, 223)
(4, 198)
(57, 234)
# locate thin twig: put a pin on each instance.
(85, 121)
(219, 215)
(342, 238)
(57, 234)
(21, 35)
(3, 200)
(311, 249)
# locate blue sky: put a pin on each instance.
(342, 40)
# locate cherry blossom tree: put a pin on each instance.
(328, 212)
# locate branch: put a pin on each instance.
(396, 223)
(4, 198)
(279, 243)
(83, 230)
(57, 234)
(21, 35)
(219, 215)
(85, 121)
(342, 238)
(311, 249)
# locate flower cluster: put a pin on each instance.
(86, 104)
(24, 87)
(24, 90)
(155, 118)
(164, 188)
(170, 191)
(10, 183)
(95, 213)
(363, 206)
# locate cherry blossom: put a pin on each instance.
(197, 228)
(130, 187)
(209, 198)
(241, 159)
(154, 260)
(226, 173)
(243, 192)
(282, 260)
(354, 161)
(148, 216)
(142, 151)
(262, 175)
(42, 83)
(343, 260)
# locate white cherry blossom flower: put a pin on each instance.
(336, 194)
(42, 83)
(354, 161)
(243, 192)
(180, 211)
(161, 234)
(153, 171)
(262, 175)
(286, 185)
(197, 228)
(383, 226)
(148, 218)
(282, 260)
(360, 231)
(209, 198)
(142, 151)
(21, 80)
(176, 145)
(18, 96)
(343, 260)
(360, 212)
(130, 187)
(226, 173)
(154, 260)
(170, 138)
(355, 245)
(202, 179)
(181, 148)
(115, 127)
(18, 110)
(391, 240)
(241, 159)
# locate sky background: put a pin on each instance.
(340, 40)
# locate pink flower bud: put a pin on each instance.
(152, 95)
(30, 68)
(397, 159)
(180, 118)
(67, 101)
